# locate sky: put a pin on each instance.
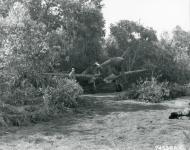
(161, 15)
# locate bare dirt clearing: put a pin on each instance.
(105, 124)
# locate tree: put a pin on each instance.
(181, 45)
(77, 29)
(133, 41)
(167, 59)
(50, 36)
(177, 44)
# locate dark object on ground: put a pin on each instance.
(180, 114)
(174, 115)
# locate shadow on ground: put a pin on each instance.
(86, 112)
(105, 107)
(102, 121)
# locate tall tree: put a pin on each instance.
(133, 41)
(50, 36)
(177, 44)
(76, 26)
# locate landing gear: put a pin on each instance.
(92, 83)
(94, 87)
(118, 86)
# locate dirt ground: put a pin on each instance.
(106, 124)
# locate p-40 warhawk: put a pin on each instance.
(111, 70)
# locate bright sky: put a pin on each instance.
(162, 15)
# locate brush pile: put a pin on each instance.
(22, 106)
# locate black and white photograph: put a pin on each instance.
(94, 74)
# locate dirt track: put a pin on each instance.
(105, 124)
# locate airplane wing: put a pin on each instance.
(135, 71)
(84, 76)
(56, 74)
(114, 77)
(115, 60)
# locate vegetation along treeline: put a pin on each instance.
(52, 36)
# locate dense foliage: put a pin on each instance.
(62, 95)
(167, 58)
(152, 91)
(52, 36)
(133, 41)
(46, 37)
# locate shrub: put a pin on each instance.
(152, 91)
(2, 121)
(177, 90)
(61, 96)
(21, 96)
(25, 103)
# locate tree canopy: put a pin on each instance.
(55, 35)
(139, 45)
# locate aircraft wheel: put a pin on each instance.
(119, 87)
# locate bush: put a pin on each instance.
(152, 91)
(62, 96)
(177, 90)
(20, 96)
(25, 103)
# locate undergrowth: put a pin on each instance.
(27, 104)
